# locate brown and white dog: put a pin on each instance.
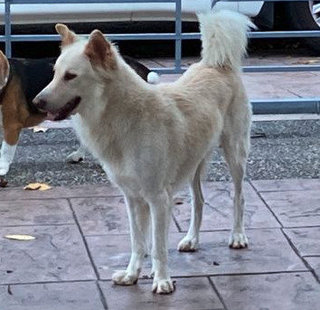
(20, 81)
(153, 139)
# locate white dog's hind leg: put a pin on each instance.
(190, 242)
(238, 238)
(139, 218)
(78, 155)
(236, 157)
(160, 208)
(6, 156)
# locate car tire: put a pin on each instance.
(300, 17)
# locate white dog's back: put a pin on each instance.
(208, 94)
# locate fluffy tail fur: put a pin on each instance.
(224, 38)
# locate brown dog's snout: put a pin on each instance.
(39, 101)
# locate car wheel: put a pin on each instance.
(305, 16)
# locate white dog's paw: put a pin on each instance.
(238, 240)
(4, 167)
(75, 157)
(163, 286)
(188, 244)
(123, 277)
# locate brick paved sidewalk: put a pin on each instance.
(82, 237)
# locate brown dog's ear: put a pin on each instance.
(99, 50)
(4, 70)
(67, 36)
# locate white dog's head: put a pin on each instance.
(79, 70)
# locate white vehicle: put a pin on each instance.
(299, 15)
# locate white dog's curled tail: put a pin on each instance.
(224, 38)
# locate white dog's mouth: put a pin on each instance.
(65, 111)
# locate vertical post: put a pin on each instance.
(7, 28)
(178, 36)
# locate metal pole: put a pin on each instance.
(286, 106)
(7, 29)
(178, 36)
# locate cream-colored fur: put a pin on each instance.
(153, 139)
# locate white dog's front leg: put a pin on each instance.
(139, 217)
(6, 156)
(160, 208)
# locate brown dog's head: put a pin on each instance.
(78, 73)
(4, 71)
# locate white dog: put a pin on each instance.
(152, 139)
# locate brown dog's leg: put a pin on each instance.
(11, 136)
(8, 148)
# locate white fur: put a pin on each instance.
(224, 38)
(6, 157)
(153, 139)
(80, 153)
(6, 153)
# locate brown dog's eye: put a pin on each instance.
(69, 76)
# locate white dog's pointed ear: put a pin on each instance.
(4, 70)
(99, 50)
(67, 36)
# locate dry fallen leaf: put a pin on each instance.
(44, 187)
(20, 237)
(37, 186)
(39, 129)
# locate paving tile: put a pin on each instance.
(314, 262)
(268, 251)
(294, 291)
(53, 296)
(303, 84)
(209, 188)
(295, 208)
(218, 210)
(57, 254)
(101, 216)
(260, 87)
(286, 185)
(16, 193)
(35, 212)
(284, 84)
(169, 78)
(191, 294)
(306, 240)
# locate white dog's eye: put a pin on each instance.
(69, 76)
